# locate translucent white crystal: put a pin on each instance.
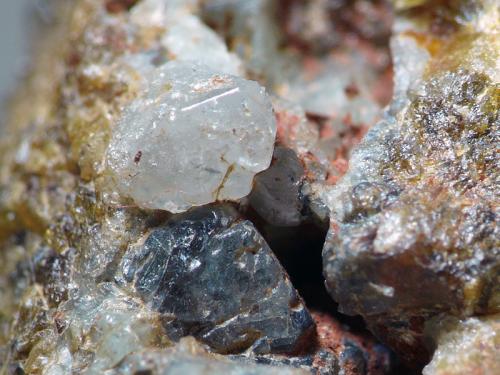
(189, 39)
(186, 37)
(155, 13)
(190, 138)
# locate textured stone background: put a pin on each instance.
(13, 43)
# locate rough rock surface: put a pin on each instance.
(464, 347)
(356, 353)
(188, 357)
(97, 276)
(337, 351)
(336, 79)
(212, 275)
(414, 225)
(329, 63)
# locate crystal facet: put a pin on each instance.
(192, 137)
(213, 276)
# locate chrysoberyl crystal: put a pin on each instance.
(277, 192)
(211, 275)
(192, 137)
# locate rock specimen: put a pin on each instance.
(414, 224)
(357, 354)
(63, 230)
(192, 137)
(211, 275)
(339, 351)
(136, 111)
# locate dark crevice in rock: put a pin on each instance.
(299, 249)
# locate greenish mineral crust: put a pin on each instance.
(414, 225)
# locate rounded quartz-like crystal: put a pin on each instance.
(191, 137)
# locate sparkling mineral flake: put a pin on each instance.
(192, 137)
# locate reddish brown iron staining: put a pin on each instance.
(313, 26)
(137, 157)
(335, 138)
(286, 127)
(118, 6)
(334, 227)
(73, 59)
(357, 353)
(59, 322)
(340, 166)
(323, 123)
(345, 137)
(352, 91)
(382, 89)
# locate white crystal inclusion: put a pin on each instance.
(191, 137)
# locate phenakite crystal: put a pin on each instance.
(192, 137)
(189, 39)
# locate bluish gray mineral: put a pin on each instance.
(277, 193)
(211, 275)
